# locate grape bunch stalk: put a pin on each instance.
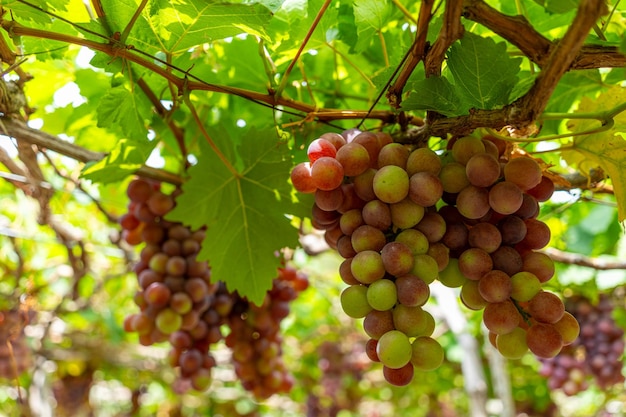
(597, 353)
(403, 217)
(181, 305)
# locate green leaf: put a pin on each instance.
(436, 94)
(244, 211)
(195, 22)
(123, 109)
(370, 17)
(561, 6)
(483, 72)
(606, 149)
(123, 160)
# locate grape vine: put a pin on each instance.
(403, 218)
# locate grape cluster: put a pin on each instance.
(175, 288)
(598, 352)
(15, 355)
(255, 337)
(404, 217)
(491, 202)
(179, 303)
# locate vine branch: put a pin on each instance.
(583, 260)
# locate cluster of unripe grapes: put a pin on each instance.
(404, 217)
(180, 304)
(15, 355)
(598, 352)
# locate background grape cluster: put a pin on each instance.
(597, 353)
(180, 304)
(403, 217)
(15, 354)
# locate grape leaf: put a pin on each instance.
(195, 22)
(244, 211)
(370, 17)
(123, 160)
(126, 110)
(434, 93)
(483, 72)
(606, 149)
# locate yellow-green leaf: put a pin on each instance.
(605, 149)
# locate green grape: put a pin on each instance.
(426, 353)
(394, 349)
(382, 294)
(354, 301)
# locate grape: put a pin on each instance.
(426, 353)
(544, 340)
(160, 204)
(377, 323)
(453, 177)
(394, 349)
(345, 272)
(412, 291)
(157, 294)
(474, 263)
(370, 350)
(512, 229)
(501, 318)
(367, 237)
(505, 197)
(529, 208)
(406, 214)
(484, 236)
(377, 214)
(139, 190)
(411, 321)
(336, 139)
(168, 321)
(344, 247)
(391, 184)
(433, 226)
(425, 268)
(452, 276)
(354, 158)
(456, 236)
(382, 294)
(470, 296)
(473, 202)
(440, 253)
(495, 286)
(397, 258)
(393, 154)
(524, 286)
(482, 170)
(568, 327)
(423, 160)
(350, 220)
(512, 345)
(537, 235)
(301, 178)
(400, 376)
(329, 200)
(327, 173)
(524, 172)
(507, 259)
(542, 191)
(371, 143)
(354, 301)
(415, 240)
(367, 266)
(425, 189)
(539, 264)
(364, 185)
(464, 148)
(320, 148)
(546, 307)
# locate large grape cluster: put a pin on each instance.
(598, 352)
(404, 217)
(15, 355)
(181, 305)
